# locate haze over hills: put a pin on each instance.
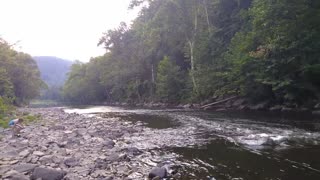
(53, 69)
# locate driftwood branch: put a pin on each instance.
(219, 102)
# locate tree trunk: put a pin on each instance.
(191, 46)
(207, 15)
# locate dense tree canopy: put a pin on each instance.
(192, 50)
(19, 76)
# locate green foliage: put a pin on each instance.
(170, 81)
(19, 80)
(275, 57)
(19, 75)
(264, 50)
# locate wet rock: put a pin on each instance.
(286, 109)
(47, 174)
(160, 172)
(221, 109)
(187, 106)
(276, 108)
(269, 142)
(71, 162)
(316, 113)
(243, 107)
(25, 168)
(260, 106)
(238, 102)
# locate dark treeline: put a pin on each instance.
(19, 78)
(180, 51)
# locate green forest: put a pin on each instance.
(179, 51)
(19, 79)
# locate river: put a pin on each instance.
(226, 145)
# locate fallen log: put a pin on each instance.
(219, 102)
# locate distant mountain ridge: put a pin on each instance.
(53, 69)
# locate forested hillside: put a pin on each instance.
(53, 72)
(19, 78)
(194, 50)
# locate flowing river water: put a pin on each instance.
(226, 145)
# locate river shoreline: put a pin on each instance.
(75, 146)
(103, 142)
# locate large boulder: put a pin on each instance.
(158, 172)
(47, 174)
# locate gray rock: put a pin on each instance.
(133, 151)
(71, 162)
(160, 172)
(19, 177)
(109, 144)
(56, 159)
(113, 158)
(25, 168)
(24, 153)
(38, 153)
(4, 169)
(47, 174)
(55, 128)
(46, 159)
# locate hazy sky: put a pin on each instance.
(69, 29)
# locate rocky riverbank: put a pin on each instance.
(73, 146)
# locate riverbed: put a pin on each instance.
(102, 142)
(224, 145)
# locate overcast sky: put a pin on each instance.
(68, 29)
